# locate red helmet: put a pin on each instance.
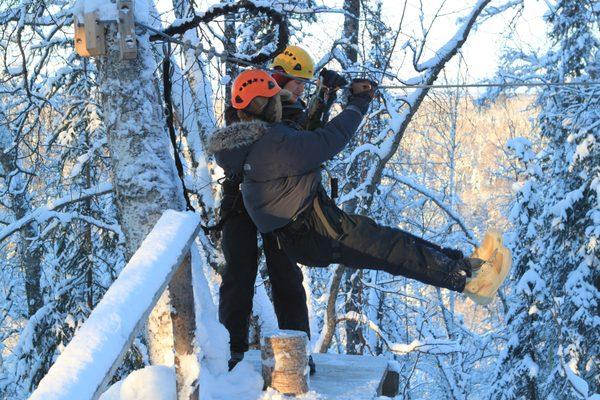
(250, 84)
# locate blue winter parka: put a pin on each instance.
(280, 165)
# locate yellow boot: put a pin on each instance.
(485, 281)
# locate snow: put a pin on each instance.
(242, 383)
(532, 368)
(106, 10)
(272, 394)
(155, 382)
(338, 377)
(521, 147)
(212, 337)
(81, 368)
(263, 308)
(578, 383)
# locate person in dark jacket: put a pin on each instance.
(283, 194)
(294, 66)
(239, 238)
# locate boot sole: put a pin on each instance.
(483, 289)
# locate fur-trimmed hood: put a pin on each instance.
(239, 134)
(231, 144)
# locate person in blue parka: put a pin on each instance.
(283, 195)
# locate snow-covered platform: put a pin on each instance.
(341, 376)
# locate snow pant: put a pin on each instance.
(240, 248)
(323, 234)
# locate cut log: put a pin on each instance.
(285, 362)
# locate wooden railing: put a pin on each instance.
(88, 363)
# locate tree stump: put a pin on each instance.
(285, 361)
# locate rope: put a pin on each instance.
(277, 18)
(167, 86)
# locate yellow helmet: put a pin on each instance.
(295, 61)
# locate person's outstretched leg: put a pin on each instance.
(369, 245)
(325, 234)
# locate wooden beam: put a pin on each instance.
(90, 38)
(183, 319)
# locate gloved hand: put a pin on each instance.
(362, 92)
(360, 101)
(332, 79)
(363, 85)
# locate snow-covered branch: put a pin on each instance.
(439, 202)
(43, 213)
(426, 346)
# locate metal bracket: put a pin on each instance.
(89, 38)
(126, 25)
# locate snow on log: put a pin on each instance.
(87, 364)
(285, 361)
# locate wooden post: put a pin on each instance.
(126, 24)
(285, 362)
(183, 320)
(90, 39)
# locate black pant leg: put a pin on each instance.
(289, 296)
(368, 244)
(359, 242)
(239, 244)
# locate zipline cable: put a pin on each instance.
(490, 85)
(226, 57)
(167, 96)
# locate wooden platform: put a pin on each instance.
(346, 377)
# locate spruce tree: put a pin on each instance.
(553, 321)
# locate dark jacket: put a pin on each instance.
(295, 113)
(280, 164)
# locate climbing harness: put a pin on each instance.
(223, 218)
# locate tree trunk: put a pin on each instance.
(352, 283)
(145, 181)
(351, 18)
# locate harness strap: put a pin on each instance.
(323, 218)
(219, 225)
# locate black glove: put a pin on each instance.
(360, 101)
(360, 85)
(332, 79)
(362, 92)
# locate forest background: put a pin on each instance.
(445, 164)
